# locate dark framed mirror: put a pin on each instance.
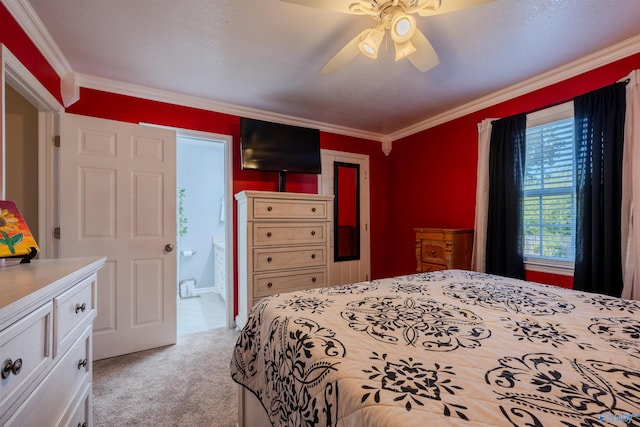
(346, 207)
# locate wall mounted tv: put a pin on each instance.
(268, 146)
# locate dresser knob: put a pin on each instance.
(313, 209)
(11, 366)
(82, 363)
(313, 256)
(269, 208)
(16, 367)
(313, 279)
(269, 285)
(269, 259)
(313, 232)
(6, 368)
(269, 234)
(81, 307)
(433, 252)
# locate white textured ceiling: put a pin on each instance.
(265, 54)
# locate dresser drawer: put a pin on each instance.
(434, 252)
(427, 267)
(443, 248)
(25, 349)
(274, 283)
(289, 209)
(80, 413)
(72, 310)
(292, 234)
(268, 259)
(54, 396)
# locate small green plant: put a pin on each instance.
(182, 219)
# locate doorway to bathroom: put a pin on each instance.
(202, 227)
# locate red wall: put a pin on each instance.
(434, 171)
(429, 178)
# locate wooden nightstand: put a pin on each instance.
(441, 249)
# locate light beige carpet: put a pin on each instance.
(188, 384)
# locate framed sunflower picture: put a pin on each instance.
(16, 240)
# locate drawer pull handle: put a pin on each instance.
(269, 208)
(82, 363)
(313, 256)
(269, 234)
(313, 232)
(313, 279)
(269, 259)
(17, 366)
(313, 209)
(11, 366)
(269, 285)
(433, 252)
(81, 307)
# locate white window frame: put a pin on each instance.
(547, 115)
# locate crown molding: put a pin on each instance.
(27, 18)
(138, 91)
(26, 83)
(597, 59)
(71, 81)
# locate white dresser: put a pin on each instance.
(47, 309)
(283, 244)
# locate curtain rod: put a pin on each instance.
(625, 81)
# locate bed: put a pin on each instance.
(451, 347)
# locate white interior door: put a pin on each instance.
(118, 199)
(351, 271)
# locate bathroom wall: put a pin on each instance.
(200, 172)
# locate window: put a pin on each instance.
(549, 187)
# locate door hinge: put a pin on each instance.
(56, 141)
(56, 233)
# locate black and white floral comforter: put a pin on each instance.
(444, 348)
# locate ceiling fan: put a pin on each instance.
(394, 16)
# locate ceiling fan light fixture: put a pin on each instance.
(404, 49)
(371, 42)
(403, 27)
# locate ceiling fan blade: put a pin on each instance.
(425, 57)
(342, 6)
(344, 55)
(450, 6)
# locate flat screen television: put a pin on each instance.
(276, 147)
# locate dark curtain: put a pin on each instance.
(599, 133)
(504, 217)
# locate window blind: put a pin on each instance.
(549, 191)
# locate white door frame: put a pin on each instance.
(14, 73)
(229, 251)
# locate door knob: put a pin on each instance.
(168, 247)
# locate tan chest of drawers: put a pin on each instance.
(283, 244)
(443, 248)
(46, 315)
